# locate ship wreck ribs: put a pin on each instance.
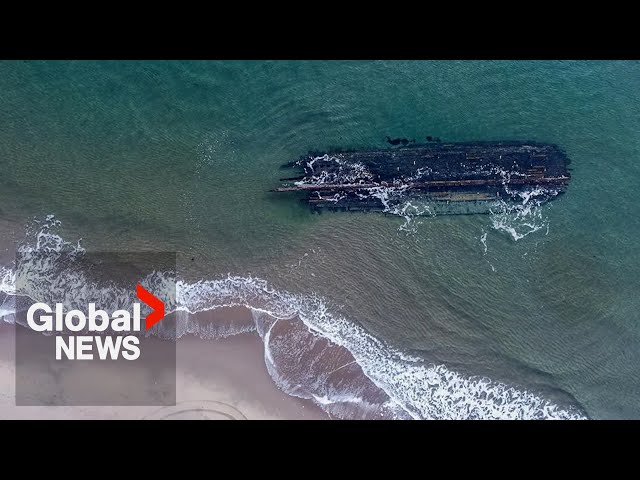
(462, 172)
(557, 181)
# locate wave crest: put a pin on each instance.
(310, 351)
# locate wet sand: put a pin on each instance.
(224, 378)
(216, 379)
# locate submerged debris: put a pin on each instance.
(433, 178)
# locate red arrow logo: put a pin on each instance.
(155, 303)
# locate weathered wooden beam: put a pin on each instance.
(419, 185)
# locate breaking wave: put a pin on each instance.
(310, 351)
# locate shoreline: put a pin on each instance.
(223, 371)
(215, 379)
(220, 379)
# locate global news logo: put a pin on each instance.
(124, 343)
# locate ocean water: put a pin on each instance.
(528, 312)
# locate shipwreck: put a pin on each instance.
(430, 178)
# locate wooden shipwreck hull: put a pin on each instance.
(431, 178)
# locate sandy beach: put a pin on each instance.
(220, 379)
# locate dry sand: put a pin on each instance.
(215, 379)
(219, 379)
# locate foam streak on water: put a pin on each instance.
(310, 351)
(516, 213)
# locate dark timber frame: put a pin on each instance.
(439, 172)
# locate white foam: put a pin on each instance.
(423, 390)
(325, 400)
(347, 172)
(483, 240)
(520, 219)
(415, 388)
(519, 215)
